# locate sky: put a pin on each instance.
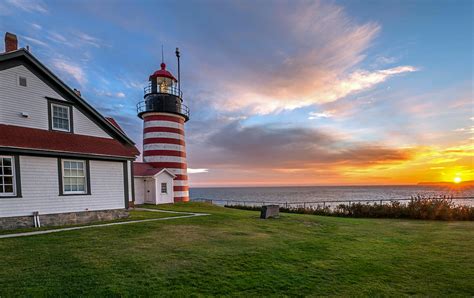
(281, 92)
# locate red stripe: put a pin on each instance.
(163, 129)
(181, 199)
(164, 118)
(164, 153)
(163, 141)
(171, 165)
(180, 188)
(181, 177)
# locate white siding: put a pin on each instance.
(16, 99)
(139, 190)
(85, 126)
(40, 189)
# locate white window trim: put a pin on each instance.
(68, 117)
(75, 192)
(9, 194)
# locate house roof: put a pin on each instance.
(40, 139)
(143, 169)
(24, 57)
(114, 123)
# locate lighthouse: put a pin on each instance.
(162, 176)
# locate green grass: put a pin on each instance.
(233, 252)
(134, 215)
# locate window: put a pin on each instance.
(60, 117)
(7, 176)
(22, 81)
(164, 188)
(74, 177)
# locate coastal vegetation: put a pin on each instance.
(234, 253)
(416, 208)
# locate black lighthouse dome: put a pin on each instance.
(163, 95)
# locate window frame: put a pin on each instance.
(60, 103)
(19, 81)
(166, 188)
(16, 179)
(87, 186)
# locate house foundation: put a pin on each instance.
(71, 218)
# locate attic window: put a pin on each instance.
(60, 117)
(22, 81)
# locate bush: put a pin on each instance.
(417, 208)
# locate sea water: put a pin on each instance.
(329, 193)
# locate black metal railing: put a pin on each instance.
(173, 90)
(166, 107)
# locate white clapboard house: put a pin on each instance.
(59, 157)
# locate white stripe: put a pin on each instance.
(173, 147)
(180, 182)
(169, 135)
(181, 194)
(156, 123)
(161, 158)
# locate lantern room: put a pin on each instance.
(163, 80)
(163, 94)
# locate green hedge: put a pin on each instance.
(416, 208)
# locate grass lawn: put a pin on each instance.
(134, 215)
(232, 252)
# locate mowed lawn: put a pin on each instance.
(233, 252)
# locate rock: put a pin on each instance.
(270, 211)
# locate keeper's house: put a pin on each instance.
(59, 157)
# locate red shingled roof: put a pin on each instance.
(39, 139)
(144, 169)
(114, 123)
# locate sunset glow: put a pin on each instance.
(300, 93)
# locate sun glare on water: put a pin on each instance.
(457, 180)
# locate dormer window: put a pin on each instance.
(60, 117)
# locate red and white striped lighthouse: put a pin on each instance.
(164, 115)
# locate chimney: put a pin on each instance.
(78, 92)
(11, 42)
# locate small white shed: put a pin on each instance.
(153, 186)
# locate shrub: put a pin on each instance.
(417, 208)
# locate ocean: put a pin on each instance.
(293, 195)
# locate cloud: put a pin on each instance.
(70, 69)
(29, 5)
(36, 26)
(88, 39)
(35, 41)
(315, 115)
(110, 94)
(197, 171)
(278, 147)
(318, 61)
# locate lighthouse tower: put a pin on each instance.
(164, 114)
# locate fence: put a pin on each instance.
(469, 201)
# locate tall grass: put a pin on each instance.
(417, 208)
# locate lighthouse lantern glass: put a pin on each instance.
(164, 84)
